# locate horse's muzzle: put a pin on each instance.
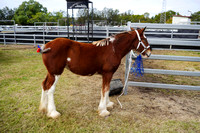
(148, 53)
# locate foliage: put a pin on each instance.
(113, 17)
(32, 11)
(107, 14)
(6, 13)
(27, 10)
(196, 16)
(46, 17)
(169, 15)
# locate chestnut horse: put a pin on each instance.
(102, 57)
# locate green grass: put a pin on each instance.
(21, 74)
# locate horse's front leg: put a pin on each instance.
(105, 102)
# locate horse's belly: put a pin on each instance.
(78, 69)
(83, 64)
(83, 72)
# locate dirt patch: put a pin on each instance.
(153, 104)
(160, 103)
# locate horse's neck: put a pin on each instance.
(124, 46)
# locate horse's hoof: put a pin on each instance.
(104, 113)
(54, 114)
(110, 105)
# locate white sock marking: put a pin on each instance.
(51, 104)
(44, 100)
(103, 101)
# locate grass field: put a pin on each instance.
(77, 97)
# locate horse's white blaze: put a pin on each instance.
(51, 105)
(68, 59)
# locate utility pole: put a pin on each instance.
(163, 13)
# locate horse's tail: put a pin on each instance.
(42, 49)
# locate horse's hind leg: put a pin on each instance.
(43, 101)
(51, 105)
(47, 99)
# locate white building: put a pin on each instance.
(178, 19)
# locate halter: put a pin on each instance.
(140, 42)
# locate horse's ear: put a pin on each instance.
(132, 29)
(143, 29)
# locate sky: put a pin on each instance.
(184, 7)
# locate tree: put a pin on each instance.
(27, 10)
(46, 17)
(82, 16)
(6, 13)
(196, 16)
(169, 15)
(125, 17)
(39, 17)
(146, 15)
(112, 16)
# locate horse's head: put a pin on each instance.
(141, 44)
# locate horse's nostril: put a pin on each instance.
(148, 54)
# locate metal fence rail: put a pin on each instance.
(174, 58)
(172, 35)
(171, 72)
(32, 35)
(164, 86)
(159, 35)
(167, 41)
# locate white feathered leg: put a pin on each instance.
(51, 112)
(102, 105)
(43, 101)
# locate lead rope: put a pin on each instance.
(125, 84)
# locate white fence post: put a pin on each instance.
(107, 31)
(34, 40)
(44, 33)
(128, 25)
(14, 28)
(127, 61)
(4, 38)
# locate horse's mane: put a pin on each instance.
(106, 41)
